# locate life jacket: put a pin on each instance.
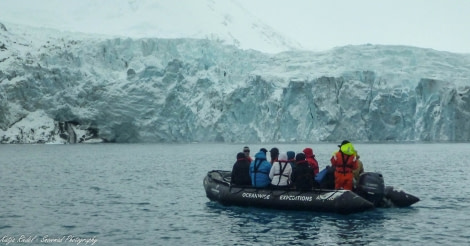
(281, 172)
(258, 163)
(259, 172)
(343, 163)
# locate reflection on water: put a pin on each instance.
(277, 227)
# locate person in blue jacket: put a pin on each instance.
(259, 170)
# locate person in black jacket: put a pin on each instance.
(303, 175)
(241, 170)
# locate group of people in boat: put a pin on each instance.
(299, 171)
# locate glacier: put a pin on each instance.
(60, 87)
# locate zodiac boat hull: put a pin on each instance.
(218, 188)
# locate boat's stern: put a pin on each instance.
(348, 202)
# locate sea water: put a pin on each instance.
(152, 194)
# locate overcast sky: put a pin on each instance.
(319, 25)
(437, 24)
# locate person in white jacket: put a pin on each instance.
(280, 171)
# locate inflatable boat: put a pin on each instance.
(370, 193)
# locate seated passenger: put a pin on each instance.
(291, 159)
(311, 160)
(274, 155)
(359, 170)
(303, 176)
(280, 172)
(241, 170)
(259, 170)
(246, 150)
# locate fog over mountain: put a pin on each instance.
(62, 87)
(227, 20)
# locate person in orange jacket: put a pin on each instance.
(310, 157)
(344, 161)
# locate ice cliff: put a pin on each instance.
(58, 87)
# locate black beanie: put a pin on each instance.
(274, 151)
(300, 157)
(241, 155)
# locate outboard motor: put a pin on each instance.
(371, 187)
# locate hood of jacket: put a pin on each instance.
(348, 149)
(260, 155)
(308, 152)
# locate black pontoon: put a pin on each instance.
(371, 193)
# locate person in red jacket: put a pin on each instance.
(344, 161)
(311, 160)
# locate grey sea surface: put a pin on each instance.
(153, 194)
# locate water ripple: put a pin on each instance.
(125, 195)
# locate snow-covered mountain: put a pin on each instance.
(60, 87)
(227, 21)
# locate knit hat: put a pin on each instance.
(290, 155)
(300, 157)
(264, 150)
(241, 155)
(274, 151)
